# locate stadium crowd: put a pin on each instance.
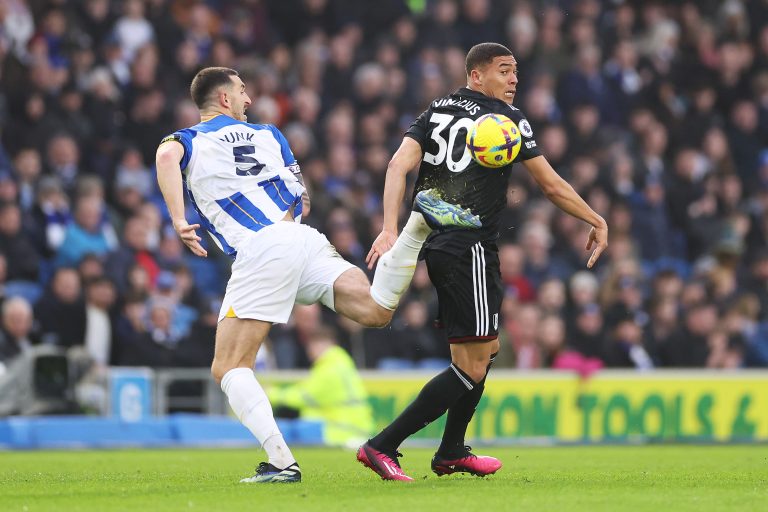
(656, 112)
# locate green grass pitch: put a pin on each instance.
(611, 478)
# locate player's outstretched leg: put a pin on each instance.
(383, 464)
(442, 214)
(267, 473)
(466, 462)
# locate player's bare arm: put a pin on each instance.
(405, 159)
(306, 204)
(561, 193)
(168, 156)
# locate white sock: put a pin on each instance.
(396, 267)
(252, 407)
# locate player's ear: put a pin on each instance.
(476, 77)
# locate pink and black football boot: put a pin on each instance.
(467, 462)
(383, 464)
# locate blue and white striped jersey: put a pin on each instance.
(239, 177)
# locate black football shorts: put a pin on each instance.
(469, 290)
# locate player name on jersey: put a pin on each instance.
(468, 105)
(236, 137)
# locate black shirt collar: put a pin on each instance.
(466, 91)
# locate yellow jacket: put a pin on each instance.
(334, 393)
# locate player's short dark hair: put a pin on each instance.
(483, 54)
(208, 80)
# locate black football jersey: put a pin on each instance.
(448, 167)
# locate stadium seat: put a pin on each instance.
(193, 429)
(28, 290)
(395, 363)
(80, 431)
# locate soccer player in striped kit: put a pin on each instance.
(247, 187)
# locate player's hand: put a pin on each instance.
(382, 244)
(598, 237)
(188, 235)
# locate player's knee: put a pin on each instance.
(218, 370)
(478, 372)
(475, 369)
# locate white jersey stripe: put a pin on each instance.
(474, 290)
(484, 290)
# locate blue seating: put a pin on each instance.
(395, 364)
(28, 290)
(173, 430)
(193, 429)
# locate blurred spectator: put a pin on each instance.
(551, 297)
(146, 336)
(133, 181)
(132, 251)
(16, 335)
(61, 312)
(551, 340)
(63, 160)
(196, 350)
(22, 260)
(725, 351)
(28, 166)
(100, 296)
(50, 216)
(650, 223)
(522, 327)
(625, 349)
(129, 325)
(86, 234)
(689, 346)
(588, 331)
(168, 292)
(512, 261)
(132, 30)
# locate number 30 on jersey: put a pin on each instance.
(443, 121)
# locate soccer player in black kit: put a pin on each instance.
(463, 264)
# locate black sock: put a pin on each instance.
(459, 416)
(435, 398)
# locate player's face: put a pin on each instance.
(238, 99)
(499, 78)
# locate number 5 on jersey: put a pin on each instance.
(241, 157)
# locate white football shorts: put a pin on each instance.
(280, 265)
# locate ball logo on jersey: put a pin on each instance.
(525, 128)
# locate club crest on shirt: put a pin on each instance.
(525, 128)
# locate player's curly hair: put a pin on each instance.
(208, 80)
(483, 54)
